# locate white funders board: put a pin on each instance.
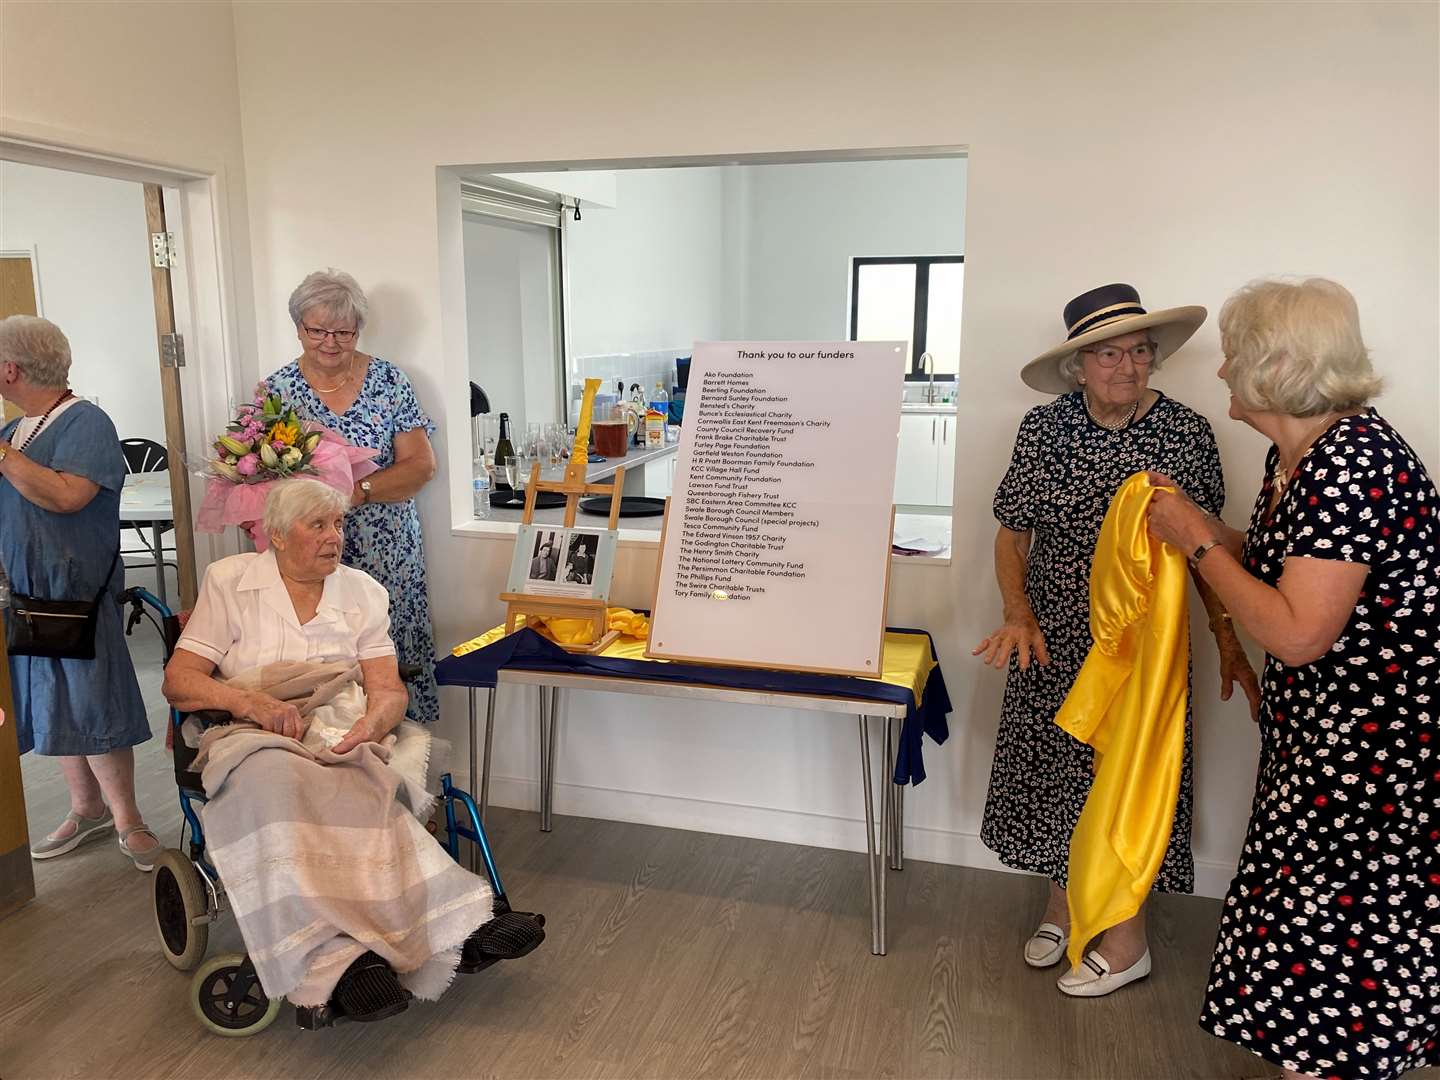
(776, 550)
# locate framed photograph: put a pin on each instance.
(553, 561)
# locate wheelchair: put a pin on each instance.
(225, 993)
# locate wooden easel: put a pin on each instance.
(573, 487)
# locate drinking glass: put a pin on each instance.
(557, 437)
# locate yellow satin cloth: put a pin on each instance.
(1128, 702)
(905, 660)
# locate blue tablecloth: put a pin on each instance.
(526, 650)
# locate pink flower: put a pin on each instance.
(248, 465)
(278, 446)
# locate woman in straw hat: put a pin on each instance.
(1071, 456)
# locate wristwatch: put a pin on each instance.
(365, 487)
(1200, 552)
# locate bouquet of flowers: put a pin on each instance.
(268, 443)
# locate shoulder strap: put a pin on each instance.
(105, 583)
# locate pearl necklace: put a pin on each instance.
(1122, 423)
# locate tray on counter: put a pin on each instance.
(630, 506)
(504, 498)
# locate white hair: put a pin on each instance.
(38, 348)
(1072, 366)
(294, 500)
(332, 290)
(1294, 347)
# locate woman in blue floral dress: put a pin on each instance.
(371, 403)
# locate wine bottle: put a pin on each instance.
(504, 449)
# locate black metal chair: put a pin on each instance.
(147, 456)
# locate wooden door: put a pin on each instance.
(174, 411)
(17, 879)
(17, 297)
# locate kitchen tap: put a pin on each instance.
(927, 363)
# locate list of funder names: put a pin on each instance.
(739, 524)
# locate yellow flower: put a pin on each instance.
(287, 433)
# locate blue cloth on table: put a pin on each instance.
(527, 650)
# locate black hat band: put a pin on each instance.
(1100, 318)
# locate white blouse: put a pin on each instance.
(244, 618)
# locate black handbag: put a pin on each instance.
(58, 629)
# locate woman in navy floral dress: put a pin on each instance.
(371, 403)
(1329, 941)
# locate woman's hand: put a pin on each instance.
(368, 728)
(274, 715)
(1235, 667)
(1174, 519)
(1021, 635)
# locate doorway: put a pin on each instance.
(100, 249)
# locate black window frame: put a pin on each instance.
(918, 330)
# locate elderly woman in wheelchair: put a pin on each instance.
(314, 789)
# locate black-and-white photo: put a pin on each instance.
(580, 558)
(545, 556)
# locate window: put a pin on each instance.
(914, 299)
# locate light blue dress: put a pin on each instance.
(383, 539)
(73, 707)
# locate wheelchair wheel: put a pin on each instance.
(216, 1005)
(180, 899)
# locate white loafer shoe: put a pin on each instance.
(1093, 978)
(1046, 946)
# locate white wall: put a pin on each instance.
(648, 274)
(92, 249)
(1250, 139)
(806, 222)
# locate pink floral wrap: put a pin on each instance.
(334, 462)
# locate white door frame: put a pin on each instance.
(203, 289)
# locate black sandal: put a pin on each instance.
(508, 936)
(369, 991)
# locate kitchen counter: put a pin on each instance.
(634, 463)
(938, 409)
(633, 460)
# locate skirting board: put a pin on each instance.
(944, 846)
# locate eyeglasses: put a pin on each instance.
(317, 335)
(1108, 356)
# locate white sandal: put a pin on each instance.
(1046, 946)
(144, 860)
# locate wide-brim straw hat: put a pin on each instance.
(1109, 312)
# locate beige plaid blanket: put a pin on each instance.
(323, 856)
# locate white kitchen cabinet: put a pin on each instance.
(917, 463)
(945, 485)
(925, 461)
(660, 476)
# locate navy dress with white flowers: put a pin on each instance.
(383, 539)
(1329, 940)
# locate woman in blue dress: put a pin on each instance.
(371, 403)
(61, 472)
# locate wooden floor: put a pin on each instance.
(670, 954)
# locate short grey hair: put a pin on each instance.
(296, 499)
(38, 348)
(1071, 366)
(1294, 347)
(335, 291)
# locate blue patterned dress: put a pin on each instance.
(383, 539)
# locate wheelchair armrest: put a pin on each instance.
(411, 672)
(208, 718)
